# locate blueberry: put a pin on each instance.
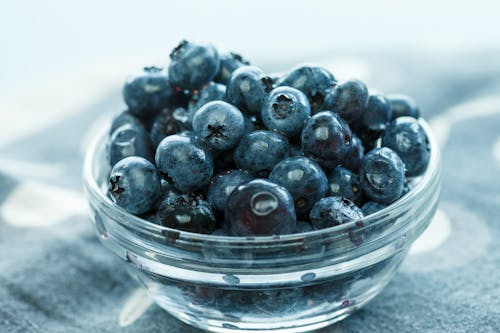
(248, 88)
(219, 124)
(332, 211)
(260, 207)
(134, 185)
(125, 118)
(210, 92)
(382, 175)
(304, 179)
(408, 139)
(222, 185)
(220, 232)
(313, 81)
(192, 65)
(406, 188)
(164, 125)
(184, 117)
(184, 161)
(229, 62)
(258, 152)
(375, 230)
(186, 212)
(167, 189)
(403, 106)
(348, 99)
(303, 226)
(345, 183)
(326, 139)
(377, 114)
(308, 245)
(148, 92)
(355, 155)
(285, 110)
(249, 124)
(130, 140)
(371, 207)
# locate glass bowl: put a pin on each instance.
(288, 283)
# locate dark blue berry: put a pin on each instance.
(345, 183)
(248, 89)
(304, 179)
(353, 159)
(164, 125)
(408, 139)
(219, 124)
(313, 81)
(371, 207)
(326, 139)
(374, 230)
(167, 189)
(406, 188)
(259, 208)
(148, 92)
(258, 152)
(210, 92)
(186, 212)
(285, 110)
(184, 117)
(134, 185)
(220, 232)
(125, 118)
(332, 211)
(222, 185)
(229, 62)
(348, 99)
(249, 124)
(303, 226)
(377, 114)
(185, 162)
(192, 65)
(382, 175)
(130, 140)
(308, 245)
(403, 106)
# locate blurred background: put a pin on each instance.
(45, 39)
(64, 64)
(80, 50)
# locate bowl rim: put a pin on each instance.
(93, 189)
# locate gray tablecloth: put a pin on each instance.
(56, 277)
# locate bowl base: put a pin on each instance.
(287, 327)
(276, 326)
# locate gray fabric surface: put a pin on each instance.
(56, 277)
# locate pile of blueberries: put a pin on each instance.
(213, 145)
